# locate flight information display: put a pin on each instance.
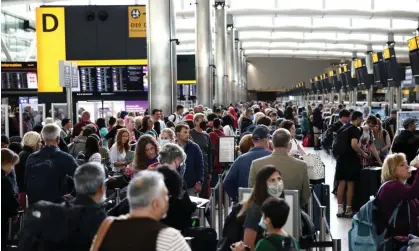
(18, 76)
(112, 78)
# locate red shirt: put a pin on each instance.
(79, 127)
(214, 138)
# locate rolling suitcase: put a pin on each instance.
(203, 238)
(322, 192)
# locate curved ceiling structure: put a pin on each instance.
(289, 28)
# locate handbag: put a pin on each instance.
(307, 140)
(101, 233)
(316, 167)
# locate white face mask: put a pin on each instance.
(164, 142)
(275, 190)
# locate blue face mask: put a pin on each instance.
(262, 224)
(252, 117)
(164, 142)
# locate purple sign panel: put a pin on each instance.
(136, 106)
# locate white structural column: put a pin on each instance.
(245, 79)
(230, 61)
(243, 74)
(161, 55)
(236, 67)
(220, 53)
(203, 47)
(370, 70)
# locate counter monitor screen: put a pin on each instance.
(113, 78)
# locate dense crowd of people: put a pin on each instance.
(159, 161)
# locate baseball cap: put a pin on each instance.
(188, 117)
(260, 132)
(409, 121)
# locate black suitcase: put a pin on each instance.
(322, 192)
(204, 238)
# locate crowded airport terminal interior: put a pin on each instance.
(210, 125)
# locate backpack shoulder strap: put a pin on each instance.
(101, 233)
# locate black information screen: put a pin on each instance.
(19, 75)
(112, 78)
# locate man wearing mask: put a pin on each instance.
(149, 202)
(201, 137)
(293, 171)
(194, 165)
(238, 176)
(167, 136)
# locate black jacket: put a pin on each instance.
(406, 142)
(21, 166)
(9, 204)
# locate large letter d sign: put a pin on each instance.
(52, 18)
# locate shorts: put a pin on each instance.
(316, 130)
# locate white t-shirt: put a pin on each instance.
(96, 157)
(228, 131)
(170, 239)
(175, 118)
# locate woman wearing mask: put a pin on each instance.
(148, 126)
(167, 136)
(268, 184)
(9, 203)
(394, 174)
(296, 148)
(382, 140)
(31, 143)
(146, 153)
(119, 151)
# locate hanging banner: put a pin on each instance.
(137, 21)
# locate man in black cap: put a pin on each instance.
(238, 175)
(390, 124)
(407, 142)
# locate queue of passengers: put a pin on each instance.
(164, 160)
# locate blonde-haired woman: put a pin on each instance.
(395, 193)
(119, 150)
(31, 143)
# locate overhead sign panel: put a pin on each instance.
(412, 43)
(137, 21)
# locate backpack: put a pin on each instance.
(363, 234)
(288, 244)
(308, 235)
(340, 142)
(327, 139)
(232, 231)
(43, 179)
(49, 226)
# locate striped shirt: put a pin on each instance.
(170, 239)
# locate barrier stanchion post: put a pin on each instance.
(9, 230)
(202, 220)
(336, 244)
(310, 204)
(220, 204)
(322, 235)
(118, 196)
(213, 208)
(226, 204)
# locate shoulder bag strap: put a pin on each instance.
(101, 233)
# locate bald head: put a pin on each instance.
(281, 138)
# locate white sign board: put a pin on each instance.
(226, 149)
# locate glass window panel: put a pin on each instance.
(407, 5)
(283, 44)
(370, 23)
(243, 21)
(320, 35)
(359, 36)
(348, 5)
(254, 34)
(298, 4)
(376, 37)
(251, 4)
(280, 34)
(404, 24)
(340, 46)
(378, 47)
(292, 21)
(255, 44)
(331, 22)
(361, 47)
